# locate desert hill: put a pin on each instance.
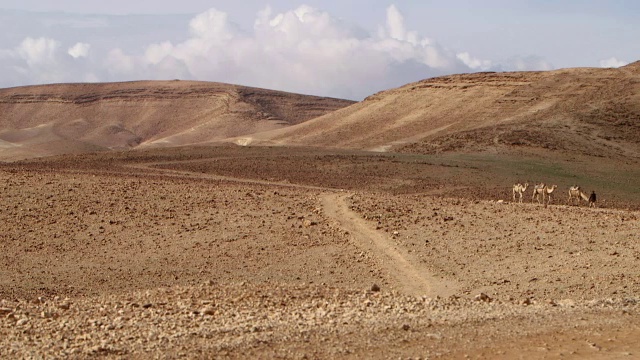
(586, 110)
(75, 118)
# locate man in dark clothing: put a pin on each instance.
(592, 199)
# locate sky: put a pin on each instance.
(339, 48)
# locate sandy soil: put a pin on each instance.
(129, 258)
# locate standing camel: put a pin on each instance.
(538, 189)
(520, 190)
(549, 190)
(576, 193)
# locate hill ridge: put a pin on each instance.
(82, 117)
(590, 110)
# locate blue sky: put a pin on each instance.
(347, 49)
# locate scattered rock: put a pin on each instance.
(5, 311)
(482, 297)
(375, 288)
(309, 223)
(526, 301)
(208, 311)
(567, 303)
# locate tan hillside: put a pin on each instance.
(588, 110)
(72, 118)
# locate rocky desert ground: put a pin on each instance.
(180, 219)
(178, 254)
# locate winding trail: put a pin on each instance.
(406, 272)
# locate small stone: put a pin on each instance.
(375, 288)
(22, 322)
(308, 223)
(567, 303)
(208, 311)
(526, 301)
(5, 311)
(146, 306)
(406, 327)
(482, 297)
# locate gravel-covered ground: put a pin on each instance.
(145, 262)
(285, 321)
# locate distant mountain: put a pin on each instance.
(74, 118)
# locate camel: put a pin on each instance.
(519, 189)
(538, 189)
(549, 190)
(584, 196)
(576, 193)
(542, 189)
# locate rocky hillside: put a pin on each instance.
(71, 118)
(588, 110)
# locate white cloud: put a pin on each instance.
(119, 63)
(474, 63)
(79, 50)
(612, 63)
(38, 51)
(395, 24)
(156, 52)
(212, 25)
(302, 50)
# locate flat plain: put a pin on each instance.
(200, 252)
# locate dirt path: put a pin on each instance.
(405, 271)
(190, 174)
